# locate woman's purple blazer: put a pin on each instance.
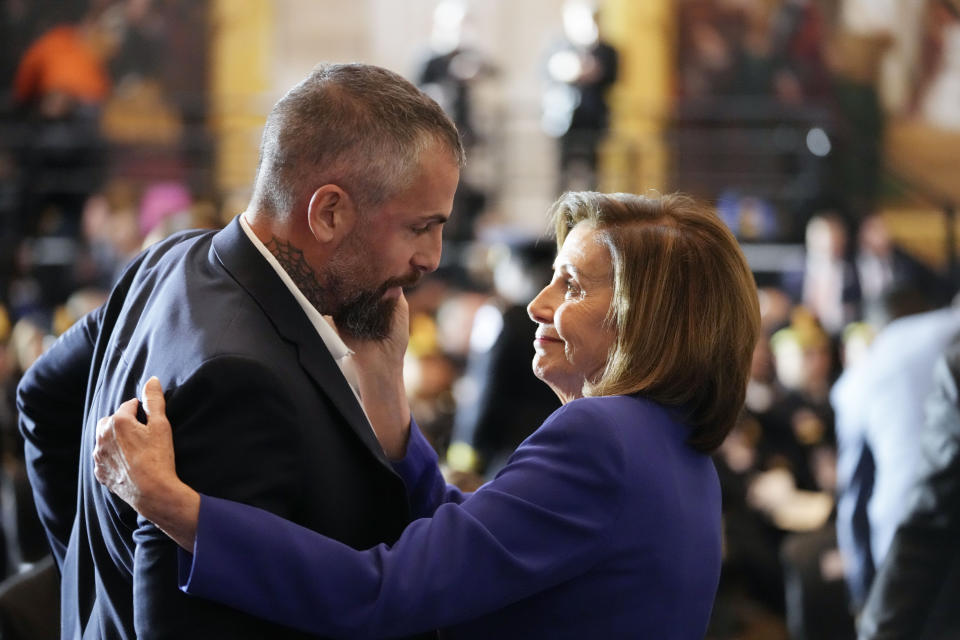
(604, 524)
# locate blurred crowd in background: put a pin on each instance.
(779, 118)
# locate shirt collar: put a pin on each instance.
(323, 324)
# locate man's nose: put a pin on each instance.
(427, 257)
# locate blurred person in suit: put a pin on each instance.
(356, 178)
(452, 67)
(879, 404)
(581, 69)
(915, 591)
(830, 287)
(604, 523)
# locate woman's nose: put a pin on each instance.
(540, 308)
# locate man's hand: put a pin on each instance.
(136, 462)
(379, 368)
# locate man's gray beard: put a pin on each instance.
(367, 316)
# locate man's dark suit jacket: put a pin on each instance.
(916, 590)
(261, 414)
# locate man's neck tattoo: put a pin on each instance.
(292, 260)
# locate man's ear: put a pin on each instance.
(331, 214)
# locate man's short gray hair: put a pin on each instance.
(358, 126)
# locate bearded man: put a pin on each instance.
(356, 178)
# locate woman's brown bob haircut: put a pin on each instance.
(684, 305)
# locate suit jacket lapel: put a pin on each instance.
(242, 260)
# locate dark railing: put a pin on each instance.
(753, 148)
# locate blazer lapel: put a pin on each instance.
(252, 272)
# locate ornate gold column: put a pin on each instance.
(240, 60)
(634, 157)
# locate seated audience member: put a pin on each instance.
(799, 425)
(792, 484)
(751, 565)
(604, 523)
(883, 267)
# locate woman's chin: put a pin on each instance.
(565, 389)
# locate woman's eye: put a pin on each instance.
(572, 289)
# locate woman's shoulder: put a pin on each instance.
(647, 429)
(584, 429)
(617, 412)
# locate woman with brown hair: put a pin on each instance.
(604, 523)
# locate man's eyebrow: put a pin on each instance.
(437, 217)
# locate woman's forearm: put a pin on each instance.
(175, 510)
